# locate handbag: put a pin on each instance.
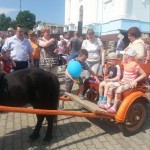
(62, 60)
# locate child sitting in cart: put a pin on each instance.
(114, 74)
(81, 58)
(6, 62)
(129, 80)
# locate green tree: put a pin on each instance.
(26, 19)
(4, 22)
(13, 24)
(38, 23)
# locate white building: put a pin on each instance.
(108, 17)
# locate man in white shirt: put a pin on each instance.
(21, 49)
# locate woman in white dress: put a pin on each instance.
(95, 51)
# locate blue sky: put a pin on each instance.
(50, 11)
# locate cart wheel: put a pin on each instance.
(135, 118)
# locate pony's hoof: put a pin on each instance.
(33, 137)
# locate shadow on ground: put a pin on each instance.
(18, 139)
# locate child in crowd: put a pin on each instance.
(129, 80)
(81, 58)
(114, 74)
(61, 50)
(61, 46)
(6, 62)
(120, 43)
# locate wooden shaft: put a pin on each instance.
(51, 112)
(64, 98)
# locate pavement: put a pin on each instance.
(72, 133)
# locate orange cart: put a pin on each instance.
(133, 110)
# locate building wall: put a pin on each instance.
(89, 12)
(125, 14)
(141, 10)
(71, 12)
(111, 16)
(90, 9)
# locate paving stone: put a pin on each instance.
(2, 131)
(7, 147)
(97, 143)
(8, 140)
(118, 147)
(91, 147)
(3, 123)
(81, 146)
(102, 139)
(64, 148)
(111, 139)
(71, 147)
(137, 141)
(88, 142)
(144, 147)
(134, 145)
(108, 146)
(1, 144)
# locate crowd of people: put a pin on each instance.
(20, 52)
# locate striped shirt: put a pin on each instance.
(130, 71)
(83, 64)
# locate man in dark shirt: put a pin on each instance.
(74, 44)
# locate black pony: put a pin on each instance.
(34, 86)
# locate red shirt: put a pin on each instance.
(7, 65)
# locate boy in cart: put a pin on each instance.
(113, 75)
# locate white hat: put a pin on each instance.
(112, 55)
(120, 36)
(131, 52)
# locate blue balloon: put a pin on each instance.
(74, 69)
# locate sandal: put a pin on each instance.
(108, 106)
(112, 110)
(102, 106)
(105, 106)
